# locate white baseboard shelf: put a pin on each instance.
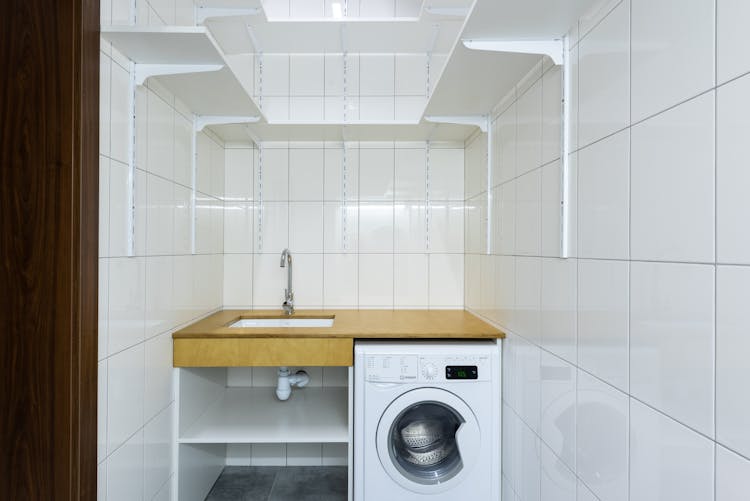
(254, 415)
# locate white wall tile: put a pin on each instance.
(527, 315)
(410, 227)
(446, 227)
(239, 220)
(238, 280)
(550, 210)
(604, 198)
(272, 234)
(306, 74)
(558, 307)
(377, 74)
(103, 206)
(558, 408)
(119, 207)
(732, 18)
(506, 146)
(506, 214)
(334, 74)
(604, 77)
(410, 273)
(101, 413)
(376, 174)
(306, 109)
(306, 168)
(125, 471)
(182, 220)
(411, 74)
(340, 226)
(306, 226)
(551, 114)
(408, 108)
(125, 390)
(672, 191)
(341, 179)
(340, 287)
(269, 280)
(732, 174)
(127, 278)
(410, 171)
(159, 295)
(528, 214)
(157, 452)
(160, 226)
(446, 171)
(308, 280)
(602, 438)
(160, 137)
(558, 482)
(529, 130)
(670, 61)
(732, 475)
(118, 126)
(269, 455)
(376, 228)
(732, 349)
(239, 174)
(183, 138)
(446, 287)
(105, 68)
(672, 340)
(375, 280)
(158, 377)
(376, 109)
(275, 172)
(667, 460)
(275, 75)
(603, 320)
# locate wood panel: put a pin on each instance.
(258, 352)
(49, 102)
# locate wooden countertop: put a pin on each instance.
(354, 324)
(211, 343)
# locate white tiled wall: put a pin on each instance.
(369, 224)
(345, 88)
(145, 296)
(625, 364)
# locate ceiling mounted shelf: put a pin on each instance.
(189, 63)
(474, 81)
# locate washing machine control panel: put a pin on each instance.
(426, 369)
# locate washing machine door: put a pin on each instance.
(427, 440)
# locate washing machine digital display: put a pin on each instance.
(461, 372)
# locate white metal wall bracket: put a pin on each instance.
(551, 48)
(201, 121)
(477, 120)
(145, 71)
(203, 13)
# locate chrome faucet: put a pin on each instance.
(286, 257)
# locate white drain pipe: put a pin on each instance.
(286, 381)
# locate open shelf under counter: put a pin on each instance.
(254, 415)
(190, 64)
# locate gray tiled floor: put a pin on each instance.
(291, 483)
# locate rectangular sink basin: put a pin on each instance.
(282, 322)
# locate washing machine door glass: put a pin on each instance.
(423, 442)
(427, 439)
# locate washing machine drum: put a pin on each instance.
(427, 439)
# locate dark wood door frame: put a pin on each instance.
(49, 183)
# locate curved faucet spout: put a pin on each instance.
(286, 258)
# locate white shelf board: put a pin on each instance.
(429, 33)
(204, 93)
(473, 81)
(254, 415)
(390, 131)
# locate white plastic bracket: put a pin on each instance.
(476, 120)
(565, 151)
(203, 13)
(551, 48)
(145, 71)
(202, 121)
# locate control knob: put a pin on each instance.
(429, 371)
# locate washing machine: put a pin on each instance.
(427, 420)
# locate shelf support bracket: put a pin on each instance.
(476, 120)
(202, 121)
(551, 48)
(203, 13)
(146, 71)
